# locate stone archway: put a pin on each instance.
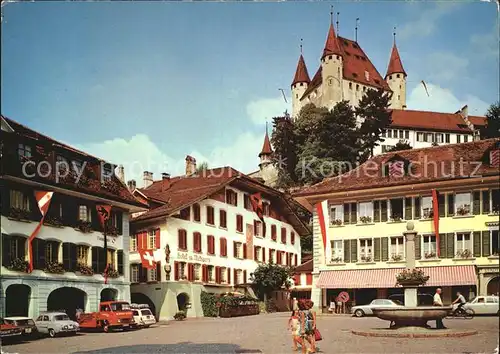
(17, 300)
(493, 287)
(140, 298)
(67, 299)
(182, 301)
(109, 294)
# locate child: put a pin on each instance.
(294, 326)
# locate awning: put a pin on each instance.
(386, 278)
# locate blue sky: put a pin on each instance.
(136, 81)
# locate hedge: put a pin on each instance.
(209, 304)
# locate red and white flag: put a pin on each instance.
(147, 259)
(43, 199)
(396, 169)
(494, 157)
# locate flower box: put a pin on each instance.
(366, 258)
(464, 254)
(365, 219)
(336, 222)
(430, 255)
(84, 269)
(397, 258)
(19, 265)
(112, 273)
(19, 214)
(84, 226)
(413, 277)
(54, 267)
(463, 210)
(336, 260)
(54, 221)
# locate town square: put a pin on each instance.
(241, 177)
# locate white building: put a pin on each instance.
(70, 243)
(207, 237)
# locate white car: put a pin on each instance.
(364, 310)
(54, 323)
(484, 305)
(143, 317)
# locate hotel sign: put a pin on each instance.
(492, 223)
(192, 257)
(111, 240)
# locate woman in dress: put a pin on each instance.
(311, 325)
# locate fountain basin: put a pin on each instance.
(412, 316)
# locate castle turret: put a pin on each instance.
(332, 69)
(299, 85)
(266, 153)
(396, 79)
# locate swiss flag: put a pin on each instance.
(147, 259)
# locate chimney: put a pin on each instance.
(190, 165)
(147, 179)
(131, 185)
(165, 181)
(121, 173)
(165, 176)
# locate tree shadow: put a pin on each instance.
(185, 347)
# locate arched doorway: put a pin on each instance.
(140, 298)
(17, 300)
(182, 301)
(493, 286)
(109, 294)
(68, 300)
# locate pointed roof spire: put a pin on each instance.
(395, 65)
(332, 44)
(301, 74)
(266, 147)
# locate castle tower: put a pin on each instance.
(396, 78)
(299, 85)
(332, 70)
(266, 153)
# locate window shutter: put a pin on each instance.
(441, 205)
(383, 210)
(442, 245)
(244, 251)
(228, 275)
(244, 277)
(143, 274)
(486, 243)
(204, 273)
(255, 253)
(120, 262)
(477, 243)
(158, 271)
(139, 273)
(292, 238)
(72, 257)
(176, 270)
(6, 240)
(450, 245)
(295, 260)
(255, 227)
(376, 250)
(347, 251)
(235, 253)
(451, 204)
(95, 262)
(264, 254)
(157, 241)
(476, 203)
(66, 256)
(486, 202)
(39, 254)
(221, 246)
(101, 260)
(235, 276)
(270, 256)
(376, 211)
(385, 249)
(416, 209)
(408, 208)
(145, 240)
(418, 248)
(189, 271)
(217, 275)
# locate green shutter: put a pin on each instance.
(418, 251)
(6, 254)
(95, 259)
(376, 250)
(486, 243)
(442, 245)
(408, 209)
(120, 262)
(450, 245)
(66, 256)
(477, 243)
(346, 214)
(441, 205)
(451, 204)
(476, 203)
(354, 213)
(354, 251)
(385, 249)
(376, 211)
(347, 251)
(417, 207)
(72, 257)
(383, 207)
(486, 202)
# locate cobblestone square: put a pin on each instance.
(264, 334)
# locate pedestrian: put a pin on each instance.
(438, 302)
(339, 305)
(294, 327)
(295, 304)
(310, 325)
(332, 306)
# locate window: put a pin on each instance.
(82, 254)
(222, 218)
(210, 244)
(211, 273)
(439, 137)
(133, 243)
(111, 258)
(231, 197)
(107, 172)
(462, 203)
(197, 242)
(336, 212)
(494, 243)
(451, 204)
(401, 134)
(389, 133)
(274, 233)
(463, 245)
(258, 254)
(350, 85)
(197, 272)
(19, 200)
(182, 240)
(466, 138)
(257, 228)
(366, 211)
(486, 202)
(134, 273)
(408, 208)
(292, 238)
(239, 276)
(495, 199)
(223, 246)
(365, 250)
(429, 246)
(458, 138)
(24, 152)
(84, 213)
(350, 213)
(266, 208)
(447, 138)
(223, 274)
(238, 250)
(380, 210)
(429, 137)
(271, 255)
(357, 86)
(416, 209)
(420, 136)
(407, 134)
(384, 133)
(397, 209)
(152, 274)
(196, 212)
(152, 239)
(283, 235)
(337, 250)
(210, 215)
(185, 214)
(246, 202)
(427, 211)
(239, 223)
(397, 248)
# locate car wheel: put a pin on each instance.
(359, 313)
(52, 333)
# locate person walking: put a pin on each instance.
(438, 302)
(295, 304)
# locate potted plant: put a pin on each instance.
(111, 230)
(464, 254)
(84, 269)
(19, 214)
(54, 267)
(463, 210)
(336, 222)
(112, 273)
(337, 259)
(53, 220)
(365, 219)
(84, 226)
(396, 218)
(19, 265)
(428, 214)
(180, 316)
(397, 257)
(430, 254)
(413, 277)
(366, 258)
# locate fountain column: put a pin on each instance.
(410, 292)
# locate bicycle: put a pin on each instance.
(463, 313)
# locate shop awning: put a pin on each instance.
(386, 278)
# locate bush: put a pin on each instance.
(180, 316)
(209, 304)
(262, 306)
(271, 306)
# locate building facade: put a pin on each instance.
(206, 236)
(303, 279)
(67, 254)
(451, 194)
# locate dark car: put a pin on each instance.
(9, 331)
(26, 324)
(423, 299)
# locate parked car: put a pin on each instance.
(143, 317)
(54, 323)
(365, 310)
(27, 325)
(484, 305)
(9, 331)
(423, 299)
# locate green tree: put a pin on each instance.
(283, 140)
(400, 145)
(306, 244)
(374, 110)
(492, 128)
(202, 168)
(270, 277)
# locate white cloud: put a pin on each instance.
(266, 108)
(486, 44)
(443, 100)
(444, 66)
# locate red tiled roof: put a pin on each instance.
(434, 121)
(447, 160)
(395, 64)
(315, 82)
(301, 74)
(332, 45)
(266, 147)
(305, 267)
